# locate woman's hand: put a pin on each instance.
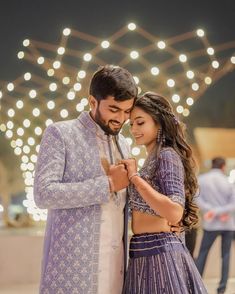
(176, 228)
(130, 165)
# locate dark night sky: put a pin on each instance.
(44, 20)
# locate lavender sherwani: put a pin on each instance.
(71, 183)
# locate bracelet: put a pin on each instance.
(133, 175)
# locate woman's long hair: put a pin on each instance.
(172, 135)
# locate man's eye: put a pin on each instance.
(113, 111)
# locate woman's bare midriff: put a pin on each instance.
(146, 223)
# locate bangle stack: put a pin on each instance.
(133, 175)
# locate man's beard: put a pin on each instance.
(105, 126)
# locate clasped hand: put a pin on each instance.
(130, 165)
(119, 174)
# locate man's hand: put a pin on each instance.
(130, 165)
(119, 177)
(209, 215)
(224, 217)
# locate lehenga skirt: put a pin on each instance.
(161, 264)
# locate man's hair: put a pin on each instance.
(218, 162)
(113, 81)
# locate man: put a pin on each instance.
(78, 182)
(217, 204)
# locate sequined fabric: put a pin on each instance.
(71, 183)
(161, 264)
(165, 174)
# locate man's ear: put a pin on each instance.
(92, 101)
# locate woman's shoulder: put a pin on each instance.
(170, 161)
(168, 153)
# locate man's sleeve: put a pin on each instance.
(201, 199)
(49, 190)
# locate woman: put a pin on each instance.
(160, 194)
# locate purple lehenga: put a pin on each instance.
(159, 262)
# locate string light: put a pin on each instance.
(161, 45)
(10, 87)
(170, 83)
(215, 64)
(56, 64)
(155, 71)
(195, 86)
(19, 104)
(53, 87)
(134, 54)
(20, 54)
(40, 60)
(50, 104)
(50, 72)
(190, 74)
(32, 93)
(61, 50)
(64, 113)
(210, 51)
(182, 58)
(66, 32)
(131, 26)
(27, 76)
(81, 74)
(87, 57)
(190, 101)
(59, 80)
(175, 98)
(200, 33)
(26, 123)
(26, 43)
(208, 80)
(66, 80)
(105, 44)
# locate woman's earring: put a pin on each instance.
(163, 139)
(159, 135)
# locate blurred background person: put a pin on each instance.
(217, 204)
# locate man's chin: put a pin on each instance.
(114, 132)
(110, 131)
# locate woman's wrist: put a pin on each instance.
(133, 175)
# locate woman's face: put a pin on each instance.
(143, 127)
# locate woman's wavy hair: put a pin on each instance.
(173, 135)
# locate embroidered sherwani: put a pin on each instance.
(83, 249)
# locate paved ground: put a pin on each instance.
(212, 270)
(33, 289)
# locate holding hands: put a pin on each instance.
(121, 174)
(118, 177)
(131, 167)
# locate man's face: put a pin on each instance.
(109, 114)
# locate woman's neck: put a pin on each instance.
(151, 147)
